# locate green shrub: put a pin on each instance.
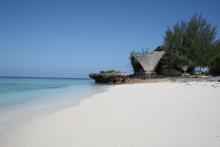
(214, 67)
(190, 43)
(110, 71)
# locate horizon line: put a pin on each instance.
(46, 77)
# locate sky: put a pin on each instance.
(72, 38)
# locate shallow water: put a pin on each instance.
(24, 98)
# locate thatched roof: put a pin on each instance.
(147, 62)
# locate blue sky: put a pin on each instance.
(73, 38)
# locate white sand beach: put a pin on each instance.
(168, 114)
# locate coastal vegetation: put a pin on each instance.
(214, 65)
(109, 71)
(192, 44)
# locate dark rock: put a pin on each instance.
(186, 75)
(218, 80)
(143, 76)
(109, 77)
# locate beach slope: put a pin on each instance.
(168, 114)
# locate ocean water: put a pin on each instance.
(22, 99)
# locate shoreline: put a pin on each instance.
(129, 115)
(63, 98)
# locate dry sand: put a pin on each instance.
(168, 114)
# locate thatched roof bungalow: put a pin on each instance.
(146, 63)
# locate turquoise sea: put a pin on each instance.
(22, 99)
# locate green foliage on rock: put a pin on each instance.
(110, 71)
